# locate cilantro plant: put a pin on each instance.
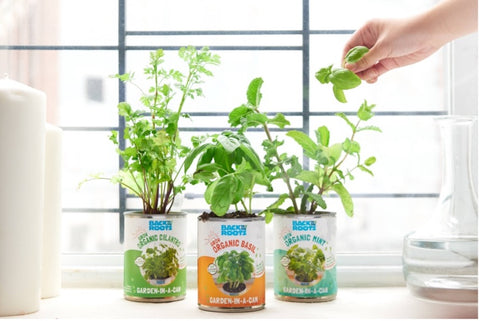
(154, 154)
(305, 263)
(234, 269)
(230, 168)
(306, 188)
(160, 263)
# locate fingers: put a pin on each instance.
(371, 74)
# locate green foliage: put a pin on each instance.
(355, 54)
(160, 263)
(341, 78)
(328, 174)
(328, 159)
(229, 167)
(154, 153)
(306, 263)
(234, 268)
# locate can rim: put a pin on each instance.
(148, 216)
(229, 219)
(317, 214)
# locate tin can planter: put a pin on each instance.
(154, 260)
(231, 264)
(304, 257)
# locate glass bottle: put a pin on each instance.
(440, 259)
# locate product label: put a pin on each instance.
(231, 263)
(154, 259)
(304, 256)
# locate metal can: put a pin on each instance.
(304, 257)
(154, 259)
(231, 264)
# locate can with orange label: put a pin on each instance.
(231, 264)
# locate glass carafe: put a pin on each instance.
(440, 259)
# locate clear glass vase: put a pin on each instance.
(440, 259)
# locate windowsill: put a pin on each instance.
(351, 303)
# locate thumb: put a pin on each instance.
(368, 60)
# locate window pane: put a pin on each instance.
(351, 14)
(87, 96)
(58, 22)
(281, 71)
(214, 15)
(86, 154)
(90, 233)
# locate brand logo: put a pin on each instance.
(234, 230)
(160, 225)
(304, 225)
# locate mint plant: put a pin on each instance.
(230, 168)
(305, 263)
(154, 155)
(306, 188)
(160, 263)
(234, 269)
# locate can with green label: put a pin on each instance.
(304, 257)
(154, 260)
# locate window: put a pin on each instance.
(69, 49)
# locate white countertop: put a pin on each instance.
(351, 303)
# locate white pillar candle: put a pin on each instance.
(51, 272)
(22, 149)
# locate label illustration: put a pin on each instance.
(154, 257)
(304, 256)
(231, 263)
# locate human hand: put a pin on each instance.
(392, 43)
(399, 42)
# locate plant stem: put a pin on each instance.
(286, 178)
(323, 189)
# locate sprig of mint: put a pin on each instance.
(342, 79)
(306, 188)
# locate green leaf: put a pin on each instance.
(351, 147)
(253, 92)
(345, 197)
(305, 142)
(268, 216)
(355, 54)
(371, 160)
(339, 94)
(365, 111)
(209, 192)
(323, 74)
(251, 157)
(344, 117)
(333, 153)
(223, 195)
(344, 79)
(281, 199)
(317, 199)
(279, 120)
(193, 154)
(323, 136)
(311, 177)
(229, 143)
(124, 109)
(364, 169)
(237, 114)
(256, 119)
(373, 128)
